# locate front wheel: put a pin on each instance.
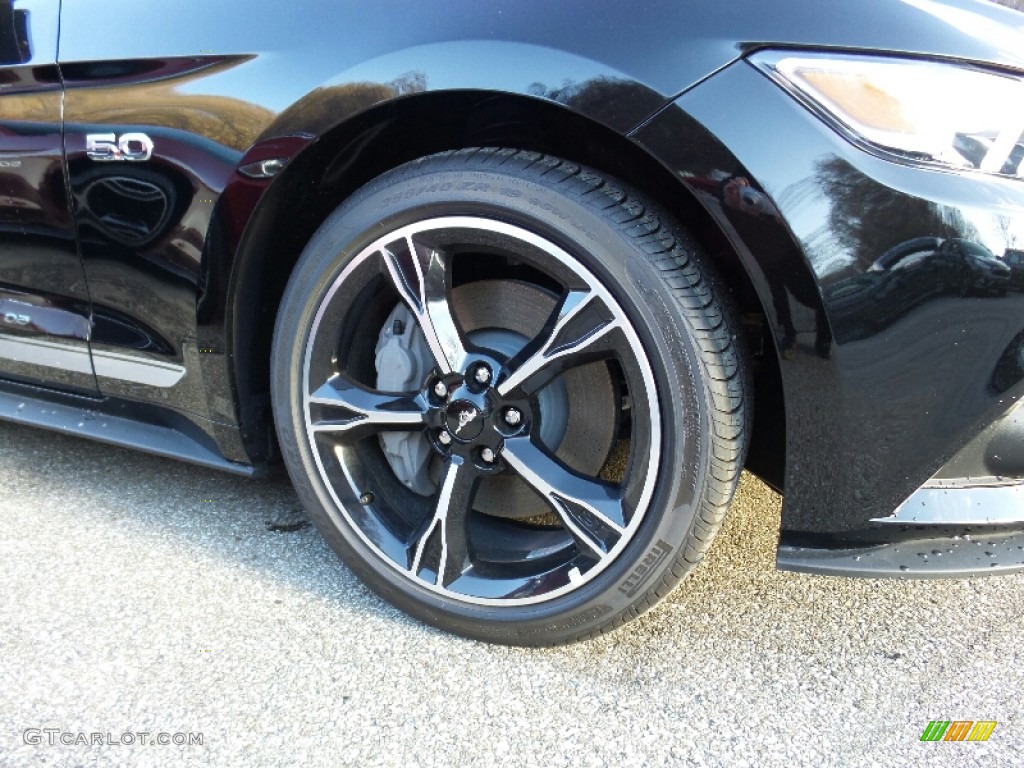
(509, 394)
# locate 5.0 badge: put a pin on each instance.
(105, 147)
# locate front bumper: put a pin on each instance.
(982, 484)
(979, 552)
(967, 520)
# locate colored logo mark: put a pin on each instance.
(958, 730)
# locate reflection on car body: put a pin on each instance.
(983, 272)
(908, 275)
(1014, 259)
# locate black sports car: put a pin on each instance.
(516, 290)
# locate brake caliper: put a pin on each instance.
(403, 361)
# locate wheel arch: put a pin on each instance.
(351, 153)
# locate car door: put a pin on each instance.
(44, 300)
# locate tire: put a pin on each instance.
(574, 420)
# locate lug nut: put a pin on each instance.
(513, 416)
(482, 374)
(445, 438)
(487, 455)
(440, 389)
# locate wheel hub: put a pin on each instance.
(499, 316)
(471, 420)
(465, 420)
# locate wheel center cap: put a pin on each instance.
(465, 421)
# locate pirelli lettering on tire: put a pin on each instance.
(647, 568)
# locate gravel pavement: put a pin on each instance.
(142, 595)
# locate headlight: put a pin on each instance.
(945, 114)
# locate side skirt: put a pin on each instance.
(145, 428)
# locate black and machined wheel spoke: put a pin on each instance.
(580, 320)
(439, 545)
(592, 511)
(341, 406)
(421, 275)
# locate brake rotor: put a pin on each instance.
(578, 411)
